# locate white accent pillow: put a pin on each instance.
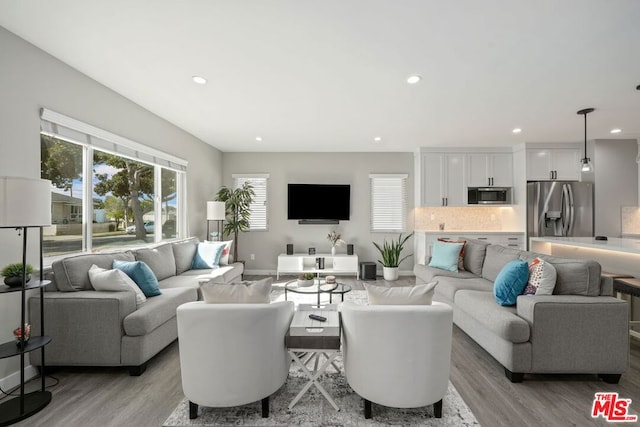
(542, 278)
(114, 280)
(224, 258)
(401, 295)
(258, 292)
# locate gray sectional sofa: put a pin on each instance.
(92, 328)
(580, 329)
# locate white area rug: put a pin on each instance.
(314, 410)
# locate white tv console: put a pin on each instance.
(303, 263)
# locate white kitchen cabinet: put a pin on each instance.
(544, 164)
(443, 182)
(490, 170)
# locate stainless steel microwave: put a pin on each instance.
(489, 196)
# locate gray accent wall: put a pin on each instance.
(31, 79)
(317, 168)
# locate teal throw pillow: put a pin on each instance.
(208, 255)
(445, 255)
(140, 273)
(510, 282)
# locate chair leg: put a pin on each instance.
(367, 409)
(437, 409)
(193, 410)
(514, 377)
(265, 407)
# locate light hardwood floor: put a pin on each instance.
(110, 397)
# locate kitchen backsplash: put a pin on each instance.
(630, 219)
(463, 218)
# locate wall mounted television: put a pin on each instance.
(318, 203)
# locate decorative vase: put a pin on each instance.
(333, 251)
(14, 281)
(390, 273)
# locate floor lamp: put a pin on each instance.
(216, 212)
(25, 203)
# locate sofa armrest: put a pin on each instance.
(577, 334)
(85, 326)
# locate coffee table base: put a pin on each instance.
(313, 376)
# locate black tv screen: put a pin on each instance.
(319, 202)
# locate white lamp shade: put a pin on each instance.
(25, 202)
(215, 211)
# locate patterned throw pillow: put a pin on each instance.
(461, 256)
(224, 257)
(208, 255)
(542, 278)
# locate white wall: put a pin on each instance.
(316, 168)
(31, 79)
(616, 183)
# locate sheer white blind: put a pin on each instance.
(258, 219)
(388, 202)
(67, 128)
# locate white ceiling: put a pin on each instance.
(331, 75)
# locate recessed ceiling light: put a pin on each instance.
(616, 130)
(199, 80)
(377, 139)
(259, 138)
(414, 79)
(517, 130)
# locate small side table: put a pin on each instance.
(316, 339)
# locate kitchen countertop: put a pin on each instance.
(615, 244)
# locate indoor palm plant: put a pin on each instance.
(390, 253)
(237, 204)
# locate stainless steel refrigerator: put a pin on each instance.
(559, 208)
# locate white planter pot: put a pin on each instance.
(390, 273)
(305, 283)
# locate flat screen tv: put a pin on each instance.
(319, 202)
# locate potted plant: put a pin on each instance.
(13, 274)
(305, 279)
(237, 203)
(390, 253)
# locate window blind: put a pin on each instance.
(388, 202)
(67, 128)
(258, 218)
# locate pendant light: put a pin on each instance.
(586, 161)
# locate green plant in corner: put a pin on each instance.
(15, 270)
(237, 204)
(391, 252)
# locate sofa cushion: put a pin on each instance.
(160, 260)
(183, 252)
(461, 255)
(258, 292)
(426, 274)
(208, 255)
(224, 274)
(448, 286)
(421, 294)
(502, 321)
(497, 257)
(157, 311)
(510, 282)
(575, 276)
(474, 253)
(140, 272)
(72, 273)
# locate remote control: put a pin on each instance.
(318, 318)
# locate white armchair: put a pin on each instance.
(232, 354)
(398, 355)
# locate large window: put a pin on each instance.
(258, 219)
(107, 193)
(388, 202)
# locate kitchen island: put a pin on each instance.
(614, 255)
